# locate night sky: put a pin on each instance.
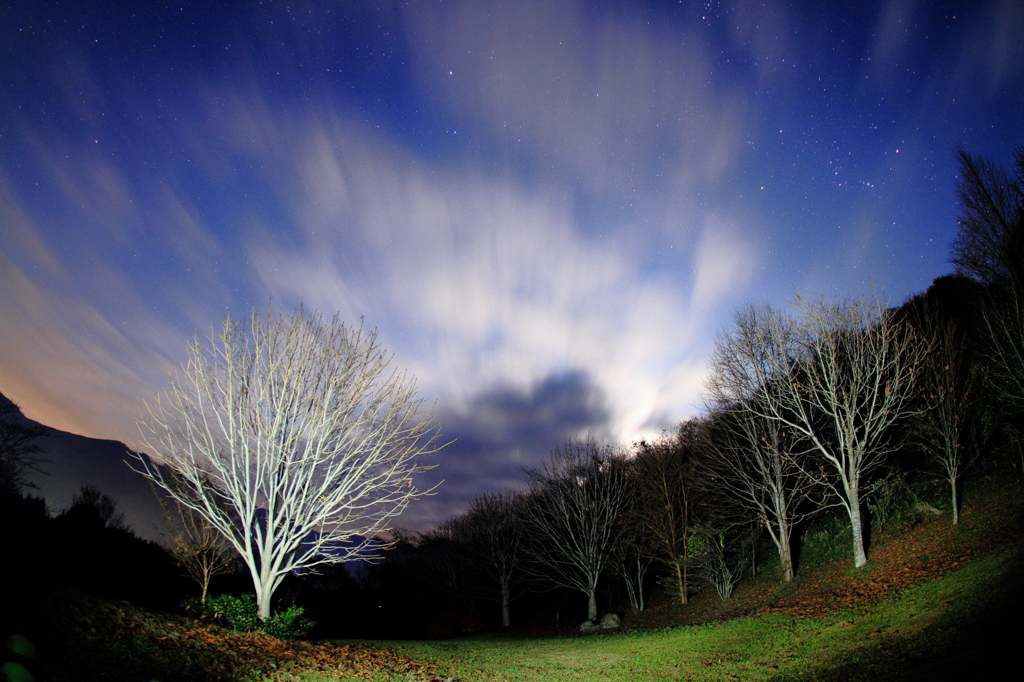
(548, 209)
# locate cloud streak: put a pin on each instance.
(476, 281)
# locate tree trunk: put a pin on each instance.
(785, 556)
(263, 604)
(685, 586)
(680, 582)
(264, 594)
(860, 557)
(504, 604)
(956, 507)
(592, 604)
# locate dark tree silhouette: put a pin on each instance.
(19, 449)
(494, 530)
(990, 249)
(577, 500)
(668, 497)
(990, 244)
(105, 506)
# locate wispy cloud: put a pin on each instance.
(67, 365)
(477, 281)
(599, 102)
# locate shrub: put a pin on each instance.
(288, 624)
(240, 614)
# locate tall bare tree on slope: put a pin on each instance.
(756, 460)
(840, 375)
(293, 438)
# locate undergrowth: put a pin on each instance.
(241, 615)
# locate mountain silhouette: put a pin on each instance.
(70, 461)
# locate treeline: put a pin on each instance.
(88, 545)
(828, 411)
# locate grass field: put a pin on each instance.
(908, 637)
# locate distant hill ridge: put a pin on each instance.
(71, 461)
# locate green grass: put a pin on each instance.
(897, 639)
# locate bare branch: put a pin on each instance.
(989, 247)
(990, 244)
(198, 547)
(19, 449)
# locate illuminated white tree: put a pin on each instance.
(293, 438)
(840, 376)
(753, 459)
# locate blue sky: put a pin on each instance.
(548, 209)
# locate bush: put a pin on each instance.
(288, 624)
(240, 614)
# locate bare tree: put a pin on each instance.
(198, 547)
(843, 376)
(752, 458)
(444, 562)
(990, 244)
(19, 450)
(577, 498)
(292, 437)
(495, 526)
(990, 249)
(105, 506)
(1003, 318)
(633, 558)
(947, 388)
(668, 497)
(720, 566)
(756, 462)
